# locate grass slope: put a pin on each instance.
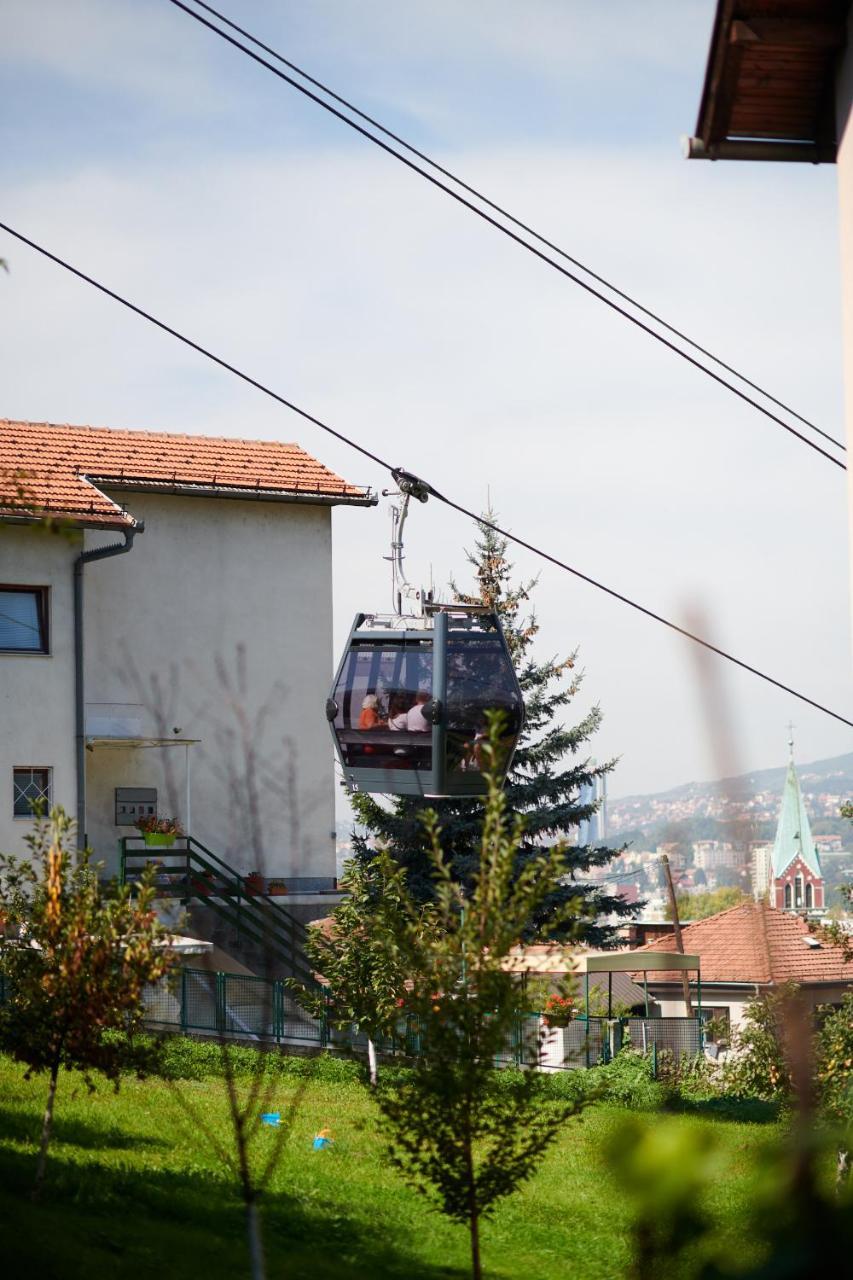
(134, 1190)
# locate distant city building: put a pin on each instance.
(791, 877)
(672, 850)
(708, 855)
(762, 858)
(593, 831)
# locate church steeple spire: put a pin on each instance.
(795, 865)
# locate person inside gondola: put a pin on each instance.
(370, 717)
(397, 721)
(397, 711)
(416, 721)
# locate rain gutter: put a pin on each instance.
(86, 557)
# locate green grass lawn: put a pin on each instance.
(134, 1189)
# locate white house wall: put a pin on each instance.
(737, 998)
(218, 580)
(37, 690)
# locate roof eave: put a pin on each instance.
(245, 494)
(76, 520)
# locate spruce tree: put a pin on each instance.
(548, 773)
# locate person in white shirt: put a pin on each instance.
(416, 721)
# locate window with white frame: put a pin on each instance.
(23, 619)
(30, 785)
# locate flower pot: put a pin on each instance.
(276, 888)
(254, 884)
(160, 838)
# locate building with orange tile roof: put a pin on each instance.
(748, 950)
(163, 591)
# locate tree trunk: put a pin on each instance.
(256, 1244)
(473, 1208)
(474, 1227)
(371, 1061)
(842, 1167)
(46, 1129)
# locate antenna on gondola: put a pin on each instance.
(408, 486)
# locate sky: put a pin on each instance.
(171, 167)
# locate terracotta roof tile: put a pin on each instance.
(753, 942)
(63, 470)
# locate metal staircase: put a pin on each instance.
(188, 872)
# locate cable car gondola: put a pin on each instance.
(410, 703)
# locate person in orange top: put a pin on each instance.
(370, 717)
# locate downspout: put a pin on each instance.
(97, 553)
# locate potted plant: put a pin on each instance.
(558, 1010)
(254, 882)
(276, 886)
(159, 831)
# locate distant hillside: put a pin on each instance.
(712, 810)
(837, 771)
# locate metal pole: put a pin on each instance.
(646, 990)
(586, 1014)
(610, 993)
(184, 1019)
(189, 815)
(676, 928)
(439, 697)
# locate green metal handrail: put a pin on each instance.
(254, 914)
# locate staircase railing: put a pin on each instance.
(189, 871)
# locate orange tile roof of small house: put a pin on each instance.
(755, 943)
(61, 470)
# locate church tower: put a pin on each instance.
(795, 875)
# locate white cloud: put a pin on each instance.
(125, 47)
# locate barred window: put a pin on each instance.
(30, 784)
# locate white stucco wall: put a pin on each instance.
(218, 581)
(671, 1005)
(844, 117)
(737, 998)
(37, 690)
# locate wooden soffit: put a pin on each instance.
(770, 82)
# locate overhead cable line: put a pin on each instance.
(512, 235)
(397, 473)
(492, 204)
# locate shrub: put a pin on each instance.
(757, 1068)
(182, 1058)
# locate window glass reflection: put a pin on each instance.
(480, 680)
(381, 696)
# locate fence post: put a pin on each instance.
(654, 1059)
(278, 1009)
(220, 1003)
(184, 1018)
(324, 1028)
